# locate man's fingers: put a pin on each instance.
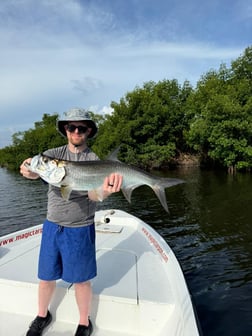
(114, 182)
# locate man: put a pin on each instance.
(68, 240)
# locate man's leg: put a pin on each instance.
(83, 295)
(44, 317)
(46, 290)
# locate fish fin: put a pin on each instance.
(160, 192)
(159, 189)
(65, 192)
(113, 155)
(127, 193)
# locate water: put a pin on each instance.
(209, 229)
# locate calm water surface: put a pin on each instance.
(209, 229)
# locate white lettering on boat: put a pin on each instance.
(24, 235)
(153, 241)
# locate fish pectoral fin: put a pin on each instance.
(65, 192)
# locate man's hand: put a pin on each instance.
(111, 184)
(26, 172)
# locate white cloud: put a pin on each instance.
(106, 110)
(58, 54)
(87, 84)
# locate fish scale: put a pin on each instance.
(90, 175)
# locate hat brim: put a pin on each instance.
(61, 127)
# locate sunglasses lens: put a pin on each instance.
(81, 129)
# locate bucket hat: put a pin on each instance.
(76, 114)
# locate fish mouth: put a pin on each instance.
(34, 161)
(37, 163)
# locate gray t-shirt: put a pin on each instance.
(78, 210)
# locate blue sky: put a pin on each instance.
(60, 54)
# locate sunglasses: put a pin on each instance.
(81, 129)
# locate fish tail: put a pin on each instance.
(159, 189)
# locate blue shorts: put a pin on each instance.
(67, 253)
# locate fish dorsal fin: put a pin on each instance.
(113, 155)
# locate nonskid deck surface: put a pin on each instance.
(109, 314)
(18, 325)
(131, 284)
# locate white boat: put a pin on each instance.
(140, 288)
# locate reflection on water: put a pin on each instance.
(208, 228)
(22, 202)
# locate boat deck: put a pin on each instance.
(132, 282)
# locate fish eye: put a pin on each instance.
(45, 159)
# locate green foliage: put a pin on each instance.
(157, 122)
(221, 128)
(149, 122)
(29, 143)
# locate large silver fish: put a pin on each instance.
(90, 175)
